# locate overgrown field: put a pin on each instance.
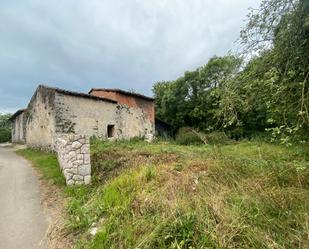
(163, 195)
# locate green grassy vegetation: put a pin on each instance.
(46, 163)
(249, 194)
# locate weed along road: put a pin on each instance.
(23, 224)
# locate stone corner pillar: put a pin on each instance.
(74, 158)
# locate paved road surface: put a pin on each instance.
(22, 222)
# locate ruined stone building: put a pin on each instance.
(103, 113)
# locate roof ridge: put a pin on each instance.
(19, 111)
(78, 94)
(121, 91)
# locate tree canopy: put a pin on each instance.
(265, 87)
(5, 128)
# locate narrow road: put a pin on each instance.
(22, 222)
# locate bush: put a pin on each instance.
(5, 135)
(217, 137)
(186, 136)
(238, 133)
(5, 128)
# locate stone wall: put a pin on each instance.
(131, 100)
(19, 128)
(40, 127)
(83, 116)
(133, 122)
(92, 117)
(52, 112)
(74, 158)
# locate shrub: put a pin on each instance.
(239, 133)
(217, 137)
(5, 135)
(187, 136)
(5, 128)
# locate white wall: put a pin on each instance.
(52, 113)
(18, 129)
(91, 117)
(83, 116)
(40, 130)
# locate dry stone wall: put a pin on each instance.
(74, 158)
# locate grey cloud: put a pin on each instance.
(79, 44)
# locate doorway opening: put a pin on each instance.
(110, 130)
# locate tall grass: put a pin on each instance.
(164, 195)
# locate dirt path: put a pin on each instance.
(23, 224)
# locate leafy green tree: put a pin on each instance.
(279, 33)
(192, 99)
(269, 91)
(5, 128)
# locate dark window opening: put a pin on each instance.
(110, 130)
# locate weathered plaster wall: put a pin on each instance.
(53, 112)
(40, 128)
(19, 128)
(91, 117)
(83, 116)
(133, 122)
(132, 101)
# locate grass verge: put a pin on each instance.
(47, 163)
(163, 195)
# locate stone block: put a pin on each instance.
(78, 162)
(76, 145)
(72, 155)
(76, 137)
(72, 170)
(66, 157)
(78, 178)
(80, 157)
(67, 165)
(87, 179)
(85, 149)
(149, 137)
(68, 148)
(84, 170)
(70, 182)
(82, 140)
(68, 176)
(87, 158)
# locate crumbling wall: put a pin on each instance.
(133, 122)
(83, 116)
(74, 158)
(19, 128)
(40, 127)
(130, 100)
(92, 117)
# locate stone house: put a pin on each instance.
(18, 126)
(103, 113)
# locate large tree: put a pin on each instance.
(268, 91)
(193, 99)
(5, 128)
(279, 34)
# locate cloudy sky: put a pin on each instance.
(128, 44)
